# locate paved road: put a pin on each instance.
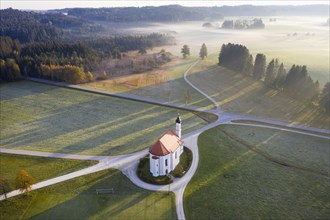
(128, 163)
(105, 162)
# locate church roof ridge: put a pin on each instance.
(167, 143)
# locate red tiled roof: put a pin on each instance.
(168, 143)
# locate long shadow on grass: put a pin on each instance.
(100, 123)
(240, 94)
(22, 88)
(129, 138)
(87, 204)
(88, 115)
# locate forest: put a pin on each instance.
(31, 40)
(296, 82)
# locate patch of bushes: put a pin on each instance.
(144, 174)
(185, 163)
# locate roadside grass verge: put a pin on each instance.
(233, 182)
(291, 149)
(239, 94)
(41, 168)
(77, 199)
(35, 116)
(279, 126)
(165, 84)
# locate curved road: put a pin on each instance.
(128, 163)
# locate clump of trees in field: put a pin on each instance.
(255, 23)
(296, 82)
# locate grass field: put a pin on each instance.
(233, 182)
(40, 117)
(77, 199)
(165, 84)
(40, 168)
(242, 95)
(252, 122)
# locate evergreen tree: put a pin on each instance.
(203, 52)
(259, 66)
(234, 57)
(249, 66)
(299, 84)
(185, 50)
(280, 78)
(325, 98)
(270, 73)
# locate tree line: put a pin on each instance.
(296, 82)
(169, 13)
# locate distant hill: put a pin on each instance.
(177, 13)
(275, 10)
(25, 27)
(171, 13)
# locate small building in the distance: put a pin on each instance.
(165, 153)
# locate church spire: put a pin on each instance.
(178, 119)
(178, 126)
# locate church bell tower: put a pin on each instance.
(178, 126)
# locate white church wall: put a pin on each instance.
(163, 165)
(154, 165)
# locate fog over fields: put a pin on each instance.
(291, 39)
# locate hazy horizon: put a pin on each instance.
(49, 5)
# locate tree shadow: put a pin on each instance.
(87, 204)
(240, 94)
(22, 89)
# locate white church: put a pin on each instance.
(165, 153)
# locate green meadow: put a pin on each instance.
(257, 173)
(77, 199)
(165, 84)
(40, 168)
(41, 117)
(239, 94)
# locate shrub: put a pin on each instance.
(143, 172)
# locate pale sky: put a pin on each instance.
(53, 4)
